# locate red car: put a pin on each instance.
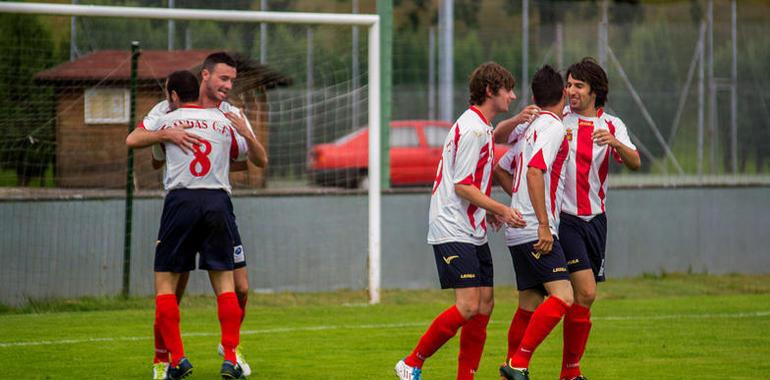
(415, 150)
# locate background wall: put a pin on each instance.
(74, 248)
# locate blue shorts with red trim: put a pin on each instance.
(584, 243)
(535, 269)
(196, 221)
(464, 265)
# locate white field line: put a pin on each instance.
(757, 314)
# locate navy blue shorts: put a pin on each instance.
(533, 269)
(463, 265)
(196, 221)
(584, 243)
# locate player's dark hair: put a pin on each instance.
(219, 57)
(185, 84)
(488, 74)
(587, 70)
(547, 87)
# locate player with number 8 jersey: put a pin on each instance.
(208, 165)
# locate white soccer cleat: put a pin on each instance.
(239, 357)
(159, 370)
(405, 372)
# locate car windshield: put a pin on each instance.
(350, 136)
(435, 135)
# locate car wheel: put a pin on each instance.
(363, 182)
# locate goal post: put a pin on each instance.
(372, 22)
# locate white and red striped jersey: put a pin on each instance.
(164, 107)
(208, 166)
(467, 159)
(543, 146)
(586, 184)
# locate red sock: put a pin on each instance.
(472, 338)
(443, 328)
(516, 331)
(230, 322)
(167, 319)
(544, 319)
(577, 326)
(161, 353)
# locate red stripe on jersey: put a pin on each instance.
(467, 180)
(477, 177)
(191, 106)
(141, 125)
(583, 160)
(233, 145)
(438, 176)
(561, 157)
(481, 115)
(457, 142)
(538, 161)
(615, 154)
(603, 169)
(600, 112)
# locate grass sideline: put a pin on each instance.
(670, 326)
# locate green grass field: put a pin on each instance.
(662, 327)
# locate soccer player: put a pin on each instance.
(459, 207)
(197, 214)
(213, 91)
(532, 172)
(594, 136)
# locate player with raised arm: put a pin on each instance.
(594, 137)
(459, 207)
(214, 88)
(197, 213)
(532, 172)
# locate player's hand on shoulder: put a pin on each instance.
(545, 239)
(180, 137)
(527, 114)
(239, 123)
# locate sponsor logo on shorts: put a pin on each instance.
(469, 275)
(536, 255)
(238, 256)
(449, 259)
(601, 269)
(559, 269)
(573, 261)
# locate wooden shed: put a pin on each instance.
(92, 113)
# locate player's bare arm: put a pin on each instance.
(508, 215)
(629, 156)
(536, 186)
(505, 127)
(504, 179)
(257, 153)
(141, 138)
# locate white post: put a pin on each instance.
(446, 60)
(432, 73)
(309, 91)
(374, 162)
(701, 96)
(171, 28)
(603, 34)
(354, 75)
(712, 89)
(559, 45)
(734, 90)
(524, 92)
(73, 36)
(263, 35)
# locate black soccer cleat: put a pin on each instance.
(508, 373)
(231, 370)
(182, 370)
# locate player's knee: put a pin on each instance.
(486, 306)
(585, 297)
(565, 295)
(468, 310)
(242, 291)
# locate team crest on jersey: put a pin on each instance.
(238, 256)
(568, 136)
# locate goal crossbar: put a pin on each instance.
(370, 21)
